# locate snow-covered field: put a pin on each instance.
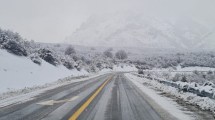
(204, 103)
(167, 104)
(185, 69)
(191, 69)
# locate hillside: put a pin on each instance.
(28, 63)
(19, 72)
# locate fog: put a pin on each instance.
(54, 20)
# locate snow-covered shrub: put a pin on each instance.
(99, 65)
(31, 46)
(48, 56)
(56, 54)
(208, 83)
(121, 55)
(69, 64)
(76, 57)
(107, 53)
(12, 42)
(70, 51)
(140, 71)
(84, 59)
(93, 69)
(36, 59)
(205, 103)
(177, 77)
(197, 77)
(189, 59)
(15, 48)
(166, 75)
(184, 79)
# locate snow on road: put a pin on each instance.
(24, 96)
(166, 103)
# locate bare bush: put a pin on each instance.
(121, 55)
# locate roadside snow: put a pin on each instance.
(124, 68)
(21, 79)
(205, 103)
(166, 103)
(20, 72)
(179, 68)
(120, 68)
(185, 69)
(24, 95)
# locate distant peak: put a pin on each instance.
(138, 30)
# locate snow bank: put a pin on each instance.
(179, 68)
(124, 68)
(185, 69)
(27, 94)
(204, 103)
(120, 68)
(20, 72)
(167, 104)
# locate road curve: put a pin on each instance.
(107, 97)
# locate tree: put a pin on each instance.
(70, 50)
(196, 72)
(184, 79)
(67, 63)
(166, 75)
(48, 56)
(177, 77)
(36, 59)
(209, 72)
(92, 48)
(108, 53)
(121, 55)
(76, 58)
(15, 48)
(12, 42)
(57, 45)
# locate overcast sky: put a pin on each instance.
(54, 20)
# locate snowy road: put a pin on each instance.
(110, 97)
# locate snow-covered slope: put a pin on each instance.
(19, 72)
(208, 41)
(137, 30)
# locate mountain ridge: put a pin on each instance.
(134, 30)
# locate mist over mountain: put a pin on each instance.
(143, 31)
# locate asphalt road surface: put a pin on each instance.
(107, 97)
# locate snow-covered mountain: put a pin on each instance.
(208, 41)
(137, 30)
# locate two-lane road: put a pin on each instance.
(107, 97)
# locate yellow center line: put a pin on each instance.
(86, 104)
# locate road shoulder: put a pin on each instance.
(156, 102)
